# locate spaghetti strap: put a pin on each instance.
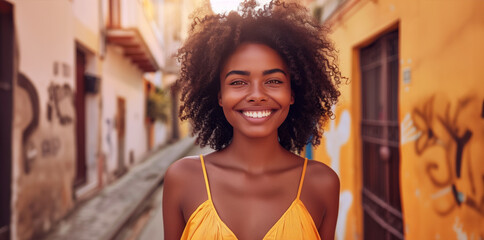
(205, 177)
(302, 178)
(205, 223)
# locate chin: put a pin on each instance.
(257, 133)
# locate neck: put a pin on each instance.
(255, 155)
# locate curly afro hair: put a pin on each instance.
(301, 42)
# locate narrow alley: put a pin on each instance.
(89, 115)
(129, 208)
(149, 224)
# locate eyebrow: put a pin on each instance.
(275, 70)
(238, 72)
(246, 73)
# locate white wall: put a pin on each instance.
(47, 34)
(134, 14)
(122, 78)
(161, 133)
(43, 194)
(87, 12)
(87, 23)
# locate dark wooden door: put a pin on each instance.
(150, 123)
(6, 100)
(174, 113)
(121, 130)
(81, 170)
(382, 211)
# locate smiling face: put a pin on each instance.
(255, 90)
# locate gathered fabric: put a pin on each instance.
(296, 223)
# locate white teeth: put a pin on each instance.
(257, 114)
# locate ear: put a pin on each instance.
(219, 96)
(292, 97)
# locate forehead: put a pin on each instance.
(253, 56)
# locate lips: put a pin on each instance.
(257, 114)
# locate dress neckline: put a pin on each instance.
(210, 202)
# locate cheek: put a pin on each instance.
(227, 102)
(228, 114)
(285, 97)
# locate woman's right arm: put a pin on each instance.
(173, 220)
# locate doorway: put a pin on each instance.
(81, 170)
(6, 98)
(149, 122)
(382, 211)
(121, 130)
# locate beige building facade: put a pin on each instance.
(76, 92)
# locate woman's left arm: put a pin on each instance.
(330, 196)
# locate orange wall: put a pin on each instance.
(442, 45)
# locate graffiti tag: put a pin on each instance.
(447, 131)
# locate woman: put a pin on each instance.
(257, 85)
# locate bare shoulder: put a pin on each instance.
(178, 171)
(181, 178)
(322, 180)
(178, 182)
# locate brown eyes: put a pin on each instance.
(237, 82)
(242, 82)
(274, 81)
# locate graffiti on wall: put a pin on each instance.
(29, 152)
(408, 131)
(110, 128)
(336, 137)
(60, 106)
(60, 103)
(451, 129)
(51, 146)
(60, 67)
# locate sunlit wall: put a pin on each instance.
(440, 114)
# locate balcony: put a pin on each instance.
(136, 32)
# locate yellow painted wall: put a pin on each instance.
(441, 110)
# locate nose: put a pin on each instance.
(256, 94)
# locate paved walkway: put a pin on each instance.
(154, 228)
(101, 217)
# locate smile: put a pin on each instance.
(257, 114)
